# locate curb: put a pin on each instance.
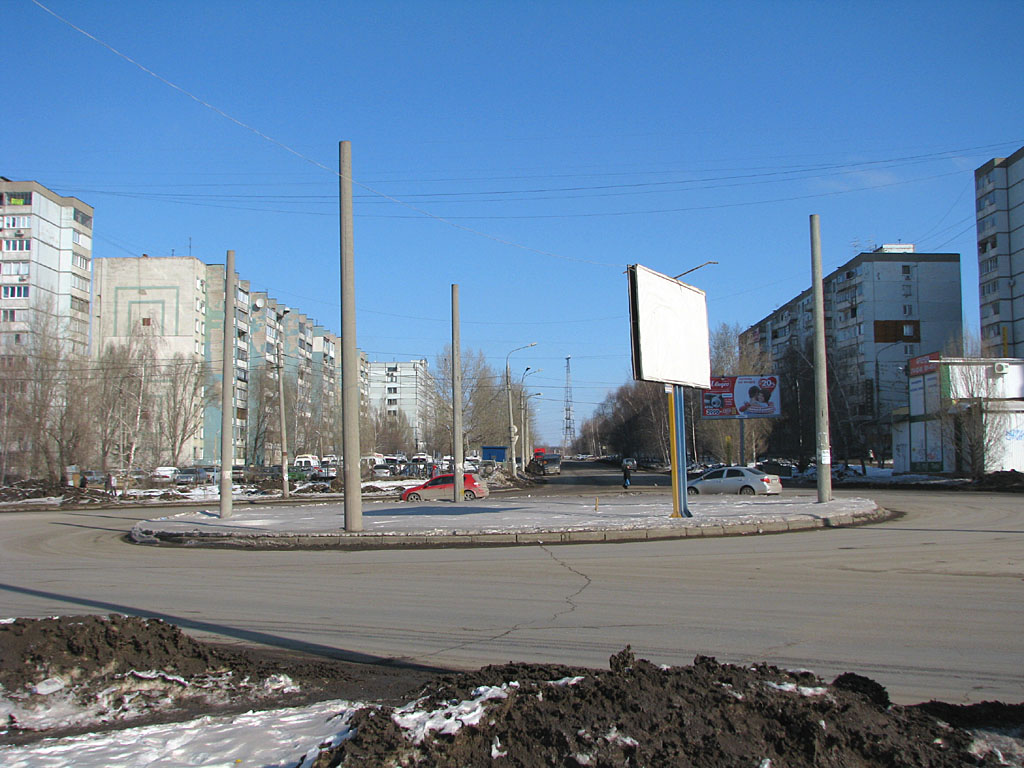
(261, 540)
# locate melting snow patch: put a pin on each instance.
(803, 690)
(614, 737)
(448, 720)
(567, 680)
(48, 686)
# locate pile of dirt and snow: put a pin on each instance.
(634, 713)
(707, 715)
(78, 673)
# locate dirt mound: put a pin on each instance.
(118, 669)
(99, 671)
(708, 715)
(1008, 480)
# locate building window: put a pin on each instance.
(392, 390)
(15, 291)
(908, 309)
(79, 305)
(17, 198)
(147, 321)
(989, 265)
(8, 315)
(18, 244)
(83, 218)
(80, 283)
(990, 288)
(14, 268)
(77, 260)
(17, 222)
(908, 290)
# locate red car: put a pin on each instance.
(443, 487)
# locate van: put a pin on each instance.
(307, 461)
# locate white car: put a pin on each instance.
(742, 480)
(164, 473)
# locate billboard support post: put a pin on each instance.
(679, 459)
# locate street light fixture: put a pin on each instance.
(528, 372)
(526, 424)
(508, 394)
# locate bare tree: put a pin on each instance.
(484, 403)
(187, 389)
(973, 420)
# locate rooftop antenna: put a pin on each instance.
(569, 431)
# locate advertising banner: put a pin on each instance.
(742, 397)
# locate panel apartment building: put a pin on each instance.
(46, 273)
(881, 309)
(403, 387)
(999, 205)
(176, 304)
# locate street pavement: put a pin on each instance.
(501, 519)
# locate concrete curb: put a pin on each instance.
(263, 540)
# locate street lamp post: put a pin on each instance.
(522, 379)
(511, 423)
(526, 424)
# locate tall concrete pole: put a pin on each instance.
(820, 369)
(349, 354)
(457, 451)
(281, 413)
(227, 390)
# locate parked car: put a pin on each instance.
(742, 480)
(190, 476)
(443, 487)
(629, 464)
(382, 470)
(212, 474)
(163, 474)
(138, 475)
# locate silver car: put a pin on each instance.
(742, 480)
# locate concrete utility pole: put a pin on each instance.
(280, 401)
(227, 390)
(457, 457)
(349, 354)
(512, 431)
(820, 369)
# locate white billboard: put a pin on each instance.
(669, 329)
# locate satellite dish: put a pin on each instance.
(257, 304)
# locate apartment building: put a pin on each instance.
(999, 206)
(881, 309)
(403, 387)
(45, 264)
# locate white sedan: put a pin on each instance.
(745, 481)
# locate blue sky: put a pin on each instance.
(526, 151)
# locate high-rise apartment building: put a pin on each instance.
(999, 203)
(403, 387)
(881, 309)
(175, 307)
(46, 268)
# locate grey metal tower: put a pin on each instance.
(569, 432)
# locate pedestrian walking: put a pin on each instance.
(108, 483)
(83, 481)
(625, 475)
(113, 486)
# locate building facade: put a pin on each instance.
(46, 268)
(881, 309)
(403, 387)
(999, 205)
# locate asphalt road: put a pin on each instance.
(931, 605)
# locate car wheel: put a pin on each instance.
(746, 490)
(413, 497)
(468, 495)
(691, 491)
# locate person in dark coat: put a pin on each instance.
(625, 475)
(83, 481)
